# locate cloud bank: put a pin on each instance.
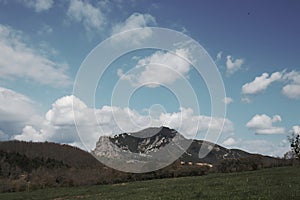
(58, 123)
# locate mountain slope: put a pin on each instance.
(152, 140)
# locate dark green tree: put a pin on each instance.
(295, 144)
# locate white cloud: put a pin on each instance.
(186, 122)
(14, 106)
(229, 142)
(84, 12)
(261, 83)
(293, 76)
(18, 60)
(62, 111)
(30, 134)
(38, 5)
(58, 124)
(219, 56)
(135, 21)
(263, 124)
(227, 100)
(16, 110)
(295, 130)
(263, 147)
(233, 65)
(169, 66)
(292, 89)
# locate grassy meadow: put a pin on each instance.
(274, 183)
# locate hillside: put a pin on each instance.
(31, 165)
(70, 155)
(163, 145)
(276, 183)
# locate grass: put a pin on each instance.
(275, 183)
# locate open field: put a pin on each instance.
(275, 183)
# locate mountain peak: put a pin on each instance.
(152, 131)
(149, 139)
(161, 143)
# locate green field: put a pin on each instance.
(275, 183)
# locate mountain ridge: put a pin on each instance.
(153, 139)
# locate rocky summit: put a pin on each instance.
(161, 143)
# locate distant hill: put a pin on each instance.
(32, 165)
(71, 156)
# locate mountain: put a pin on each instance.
(163, 145)
(30, 165)
(155, 148)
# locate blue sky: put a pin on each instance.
(254, 44)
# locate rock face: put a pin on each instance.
(143, 151)
(145, 141)
(160, 145)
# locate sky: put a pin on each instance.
(251, 46)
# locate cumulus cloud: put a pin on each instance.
(159, 68)
(227, 100)
(18, 60)
(261, 83)
(84, 12)
(188, 124)
(15, 111)
(233, 65)
(291, 81)
(30, 134)
(38, 5)
(229, 142)
(263, 124)
(58, 124)
(134, 21)
(292, 89)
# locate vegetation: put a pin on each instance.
(295, 145)
(274, 183)
(29, 166)
(250, 163)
